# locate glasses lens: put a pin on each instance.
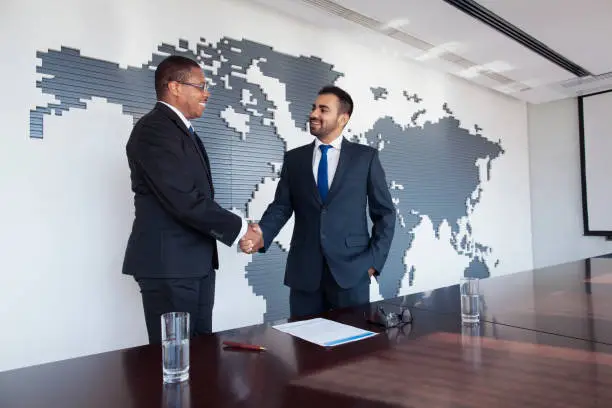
(392, 319)
(406, 316)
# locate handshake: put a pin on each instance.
(252, 241)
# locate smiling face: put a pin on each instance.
(190, 96)
(326, 121)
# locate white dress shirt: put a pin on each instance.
(333, 155)
(187, 123)
(179, 114)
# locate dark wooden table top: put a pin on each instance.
(433, 362)
(573, 299)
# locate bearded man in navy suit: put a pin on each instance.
(330, 185)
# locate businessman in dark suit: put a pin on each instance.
(172, 248)
(330, 185)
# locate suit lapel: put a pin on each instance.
(195, 143)
(204, 157)
(306, 162)
(343, 164)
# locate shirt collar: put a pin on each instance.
(336, 144)
(179, 114)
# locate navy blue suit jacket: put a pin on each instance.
(335, 230)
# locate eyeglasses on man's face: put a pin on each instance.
(202, 87)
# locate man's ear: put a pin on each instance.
(344, 118)
(173, 88)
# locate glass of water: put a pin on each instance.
(470, 300)
(175, 346)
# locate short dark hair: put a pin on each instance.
(346, 102)
(173, 68)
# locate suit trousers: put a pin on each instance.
(193, 295)
(328, 296)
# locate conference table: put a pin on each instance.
(572, 299)
(544, 340)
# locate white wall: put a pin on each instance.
(67, 207)
(556, 190)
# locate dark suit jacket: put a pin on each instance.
(335, 230)
(176, 221)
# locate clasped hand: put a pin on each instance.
(252, 241)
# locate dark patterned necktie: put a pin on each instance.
(202, 151)
(198, 143)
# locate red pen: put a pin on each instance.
(234, 344)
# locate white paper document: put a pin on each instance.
(323, 332)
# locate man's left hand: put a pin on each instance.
(252, 241)
(371, 272)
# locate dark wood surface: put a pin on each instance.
(445, 369)
(434, 362)
(573, 299)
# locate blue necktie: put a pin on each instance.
(322, 182)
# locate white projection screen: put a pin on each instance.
(595, 118)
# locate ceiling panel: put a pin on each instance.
(441, 37)
(443, 25)
(580, 30)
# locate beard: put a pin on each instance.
(320, 129)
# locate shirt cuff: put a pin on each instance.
(243, 231)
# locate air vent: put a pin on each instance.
(590, 80)
(368, 22)
(585, 85)
(406, 38)
(502, 79)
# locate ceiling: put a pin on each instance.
(496, 51)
